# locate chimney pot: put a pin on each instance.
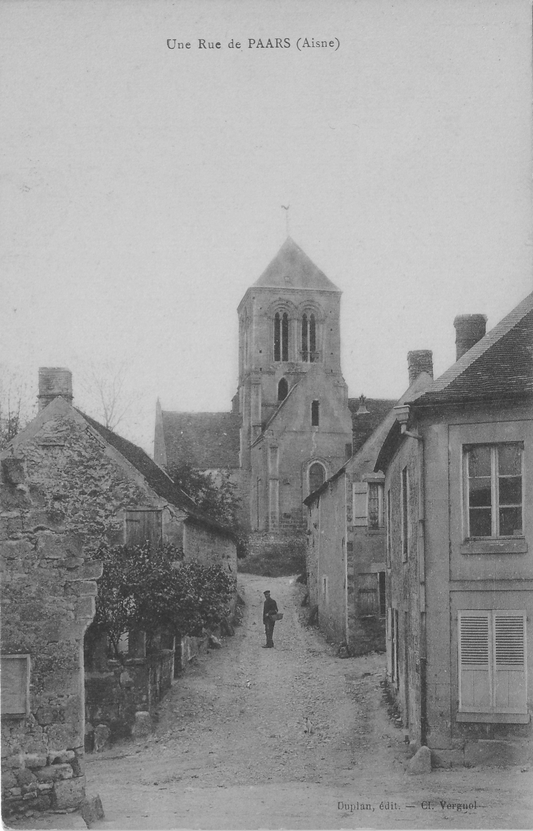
(54, 381)
(421, 360)
(468, 330)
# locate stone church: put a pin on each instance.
(292, 425)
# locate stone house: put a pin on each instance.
(291, 422)
(67, 485)
(345, 557)
(458, 466)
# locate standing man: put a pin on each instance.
(270, 608)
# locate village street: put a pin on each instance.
(292, 737)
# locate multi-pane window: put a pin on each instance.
(281, 336)
(309, 351)
(375, 505)
(493, 476)
(492, 661)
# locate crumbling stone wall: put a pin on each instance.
(210, 548)
(48, 591)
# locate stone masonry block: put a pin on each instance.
(85, 607)
(69, 794)
(17, 549)
(15, 761)
(25, 777)
(84, 588)
(53, 773)
(9, 780)
(50, 546)
(88, 571)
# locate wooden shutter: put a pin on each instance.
(359, 503)
(474, 662)
(143, 526)
(368, 594)
(510, 662)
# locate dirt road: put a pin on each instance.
(290, 737)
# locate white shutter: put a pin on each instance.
(359, 490)
(474, 662)
(510, 662)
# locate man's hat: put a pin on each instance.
(266, 592)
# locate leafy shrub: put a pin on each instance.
(153, 590)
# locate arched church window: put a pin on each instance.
(283, 389)
(317, 476)
(281, 336)
(309, 351)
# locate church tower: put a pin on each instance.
(296, 428)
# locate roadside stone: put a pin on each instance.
(214, 642)
(421, 762)
(101, 736)
(92, 810)
(143, 724)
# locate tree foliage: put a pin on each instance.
(153, 590)
(16, 408)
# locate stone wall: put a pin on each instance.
(114, 696)
(210, 547)
(48, 591)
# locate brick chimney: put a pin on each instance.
(54, 381)
(468, 330)
(421, 360)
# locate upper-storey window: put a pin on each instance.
(315, 413)
(309, 339)
(281, 336)
(493, 490)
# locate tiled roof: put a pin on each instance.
(499, 366)
(155, 476)
(204, 440)
(292, 268)
(364, 425)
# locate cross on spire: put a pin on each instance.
(286, 209)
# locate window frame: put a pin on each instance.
(380, 519)
(315, 413)
(281, 338)
(495, 504)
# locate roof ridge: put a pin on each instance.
(493, 336)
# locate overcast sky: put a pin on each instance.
(142, 186)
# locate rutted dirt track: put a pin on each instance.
(291, 737)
